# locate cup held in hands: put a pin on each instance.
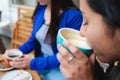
(13, 54)
(74, 38)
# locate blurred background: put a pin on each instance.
(9, 17)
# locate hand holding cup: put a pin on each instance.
(13, 54)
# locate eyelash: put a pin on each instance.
(85, 23)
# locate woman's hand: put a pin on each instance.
(77, 66)
(23, 62)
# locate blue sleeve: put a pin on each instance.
(28, 46)
(40, 63)
(74, 19)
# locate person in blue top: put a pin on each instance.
(48, 18)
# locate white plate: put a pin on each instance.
(5, 69)
(13, 74)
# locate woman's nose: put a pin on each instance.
(82, 31)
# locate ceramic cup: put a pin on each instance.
(13, 54)
(74, 38)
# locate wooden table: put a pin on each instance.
(33, 73)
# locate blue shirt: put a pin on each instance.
(71, 18)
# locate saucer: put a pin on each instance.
(17, 75)
(6, 69)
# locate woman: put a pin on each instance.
(48, 18)
(101, 27)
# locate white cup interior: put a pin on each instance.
(74, 38)
(13, 54)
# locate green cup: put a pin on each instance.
(73, 36)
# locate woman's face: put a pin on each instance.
(107, 49)
(43, 2)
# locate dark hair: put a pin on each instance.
(109, 9)
(56, 7)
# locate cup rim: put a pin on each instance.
(71, 29)
(65, 28)
(18, 51)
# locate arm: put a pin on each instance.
(44, 63)
(71, 19)
(74, 19)
(28, 46)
